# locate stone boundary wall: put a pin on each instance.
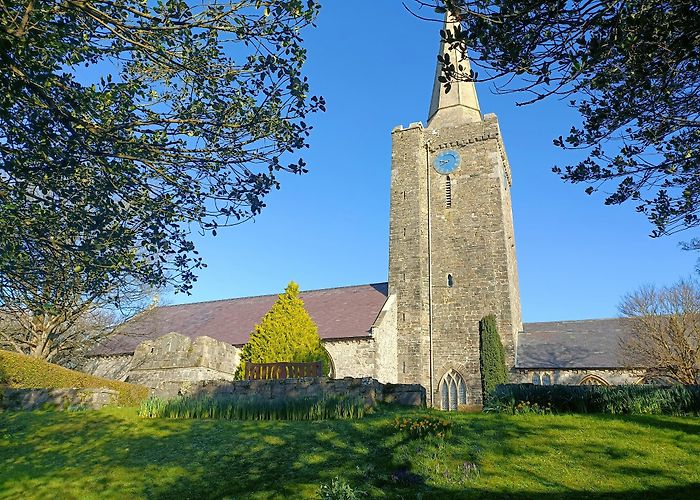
(367, 388)
(58, 399)
(114, 367)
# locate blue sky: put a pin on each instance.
(374, 63)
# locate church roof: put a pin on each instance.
(592, 343)
(344, 312)
(350, 312)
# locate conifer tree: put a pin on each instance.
(285, 334)
(493, 359)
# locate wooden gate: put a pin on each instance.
(277, 371)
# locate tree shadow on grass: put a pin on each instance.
(115, 455)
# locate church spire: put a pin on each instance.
(460, 104)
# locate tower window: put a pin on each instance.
(448, 192)
(403, 316)
(404, 195)
(450, 280)
(404, 232)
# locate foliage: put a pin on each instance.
(339, 489)
(285, 334)
(664, 336)
(24, 372)
(631, 69)
(486, 456)
(423, 426)
(125, 126)
(254, 408)
(617, 400)
(525, 407)
(68, 338)
(491, 356)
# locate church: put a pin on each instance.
(452, 261)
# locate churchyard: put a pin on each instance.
(112, 453)
(383, 451)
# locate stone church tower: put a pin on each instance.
(452, 247)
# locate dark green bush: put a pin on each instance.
(254, 408)
(622, 399)
(492, 356)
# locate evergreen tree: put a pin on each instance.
(286, 334)
(493, 359)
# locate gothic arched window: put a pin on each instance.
(453, 391)
(448, 192)
(450, 281)
(546, 379)
(593, 380)
(536, 379)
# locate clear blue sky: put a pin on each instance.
(374, 63)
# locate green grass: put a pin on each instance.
(113, 453)
(23, 372)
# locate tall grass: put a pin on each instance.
(254, 408)
(623, 399)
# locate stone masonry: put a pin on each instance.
(366, 388)
(452, 246)
(175, 357)
(57, 399)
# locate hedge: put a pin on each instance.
(24, 372)
(623, 399)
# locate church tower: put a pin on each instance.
(452, 247)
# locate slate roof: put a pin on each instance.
(344, 312)
(592, 343)
(350, 312)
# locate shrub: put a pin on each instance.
(624, 399)
(285, 334)
(339, 489)
(24, 372)
(492, 356)
(254, 408)
(420, 427)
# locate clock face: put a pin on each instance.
(446, 162)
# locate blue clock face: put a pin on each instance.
(446, 162)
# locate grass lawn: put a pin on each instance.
(113, 453)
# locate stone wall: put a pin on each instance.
(177, 358)
(59, 399)
(595, 376)
(352, 357)
(373, 356)
(367, 388)
(111, 367)
(471, 241)
(385, 335)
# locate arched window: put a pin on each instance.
(593, 380)
(448, 192)
(450, 281)
(453, 391)
(536, 379)
(546, 379)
